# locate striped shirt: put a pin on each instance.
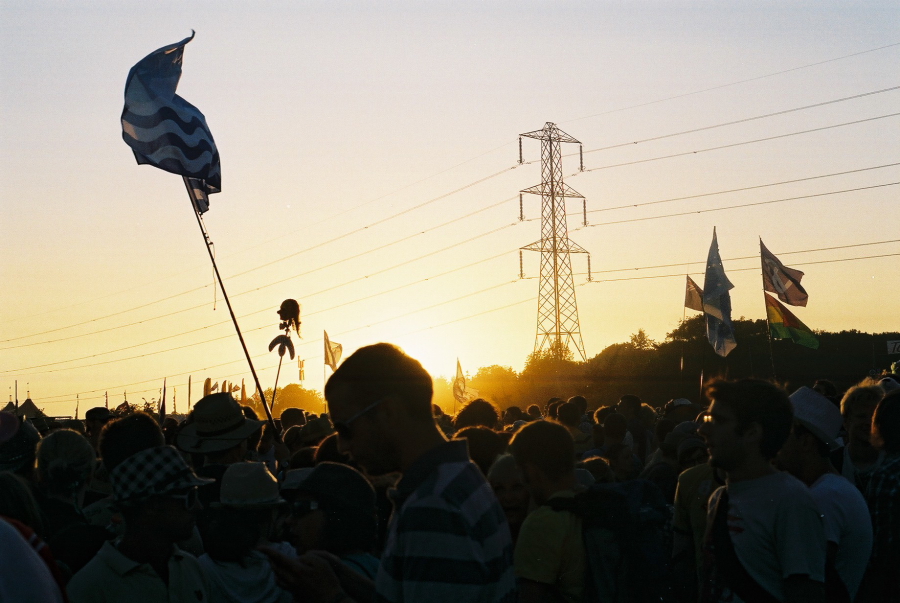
(448, 539)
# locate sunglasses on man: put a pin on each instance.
(189, 497)
(343, 427)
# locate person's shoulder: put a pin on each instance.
(889, 469)
(183, 557)
(545, 517)
(785, 489)
(88, 583)
(454, 483)
(784, 485)
(832, 484)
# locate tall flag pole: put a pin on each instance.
(333, 353)
(167, 132)
(189, 394)
(785, 283)
(693, 299)
(717, 302)
(162, 404)
(77, 404)
(106, 396)
(459, 386)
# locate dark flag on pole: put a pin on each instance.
(166, 131)
(717, 302)
(781, 280)
(162, 404)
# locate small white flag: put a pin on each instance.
(332, 352)
(459, 384)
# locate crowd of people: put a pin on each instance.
(759, 496)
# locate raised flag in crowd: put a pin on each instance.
(717, 302)
(166, 131)
(459, 384)
(332, 352)
(693, 296)
(784, 325)
(781, 280)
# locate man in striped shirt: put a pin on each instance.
(448, 540)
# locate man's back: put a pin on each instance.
(448, 538)
(776, 529)
(550, 550)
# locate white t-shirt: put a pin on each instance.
(24, 577)
(250, 580)
(847, 524)
(776, 529)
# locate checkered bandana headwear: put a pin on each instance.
(152, 472)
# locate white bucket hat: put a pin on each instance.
(818, 414)
(248, 486)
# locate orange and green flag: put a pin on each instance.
(784, 325)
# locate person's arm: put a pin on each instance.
(537, 592)
(357, 586)
(308, 578)
(799, 588)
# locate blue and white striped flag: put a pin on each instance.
(717, 302)
(163, 129)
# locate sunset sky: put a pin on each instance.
(369, 166)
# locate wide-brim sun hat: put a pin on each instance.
(217, 423)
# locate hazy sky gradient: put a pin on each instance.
(330, 116)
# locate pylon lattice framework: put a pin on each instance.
(558, 328)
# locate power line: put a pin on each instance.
(738, 121)
(381, 221)
(746, 257)
(361, 229)
(719, 87)
(93, 364)
(383, 292)
(445, 302)
(756, 203)
(497, 309)
(681, 274)
(738, 144)
(30, 368)
(57, 329)
(389, 218)
(416, 259)
(126, 385)
(255, 246)
(732, 190)
(745, 188)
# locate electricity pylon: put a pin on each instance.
(558, 328)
